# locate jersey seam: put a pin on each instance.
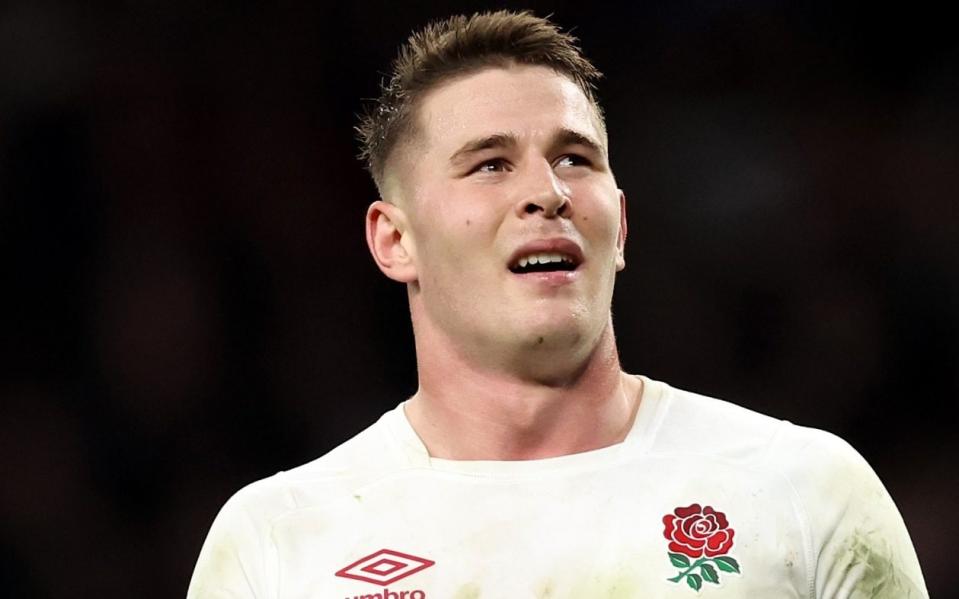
(800, 511)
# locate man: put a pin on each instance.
(528, 464)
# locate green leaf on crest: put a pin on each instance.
(727, 564)
(710, 574)
(679, 560)
(694, 581)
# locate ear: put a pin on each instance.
(389, 242)
(621, 238)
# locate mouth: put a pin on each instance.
(543, 262)
(546, 256)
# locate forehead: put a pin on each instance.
(527, 101)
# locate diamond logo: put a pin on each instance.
(385, 567)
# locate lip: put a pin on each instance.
(554, 279)
(557, 245)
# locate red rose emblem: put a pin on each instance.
(695, 531)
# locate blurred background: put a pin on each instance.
(188, 304)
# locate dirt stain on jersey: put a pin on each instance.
(879, 578)
(546, 590)
(596, 586)
(216, 569)
(615, 586)
(470, 590)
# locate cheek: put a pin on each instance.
(600, 230)
(598, 208)
(453, 249)
(454, 211)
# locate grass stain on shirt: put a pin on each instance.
(470, 590)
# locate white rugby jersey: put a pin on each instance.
(702, 499)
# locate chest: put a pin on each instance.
(611, 534)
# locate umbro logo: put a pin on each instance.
(385, 567)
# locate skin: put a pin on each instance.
(510, 367)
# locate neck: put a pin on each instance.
(465, 411)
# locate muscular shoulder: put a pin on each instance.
(239, 542)
(711, 428)
(854, 524)
(853, 530)
(329, 479)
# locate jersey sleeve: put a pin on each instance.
(234, 560)
(859, 544)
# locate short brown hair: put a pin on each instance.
(458, 46)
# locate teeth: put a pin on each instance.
(543, 258)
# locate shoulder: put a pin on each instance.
(695, 423)
(238, 558)
(849, 520)
(327, 480)
(854, 526)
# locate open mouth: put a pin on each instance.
(544, 262)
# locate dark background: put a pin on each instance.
(188, 303)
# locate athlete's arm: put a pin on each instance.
(233, 561)
(860, 545)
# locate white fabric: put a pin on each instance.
(810, 518)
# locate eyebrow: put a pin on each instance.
(563, 137)
(569, 137)
(497, 140)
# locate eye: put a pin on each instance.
(495, 165)
(572, 160)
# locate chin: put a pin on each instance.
(552, 336)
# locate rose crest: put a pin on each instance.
(701, 534)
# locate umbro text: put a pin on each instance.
(388, 594)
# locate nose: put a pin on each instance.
(546, 194)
